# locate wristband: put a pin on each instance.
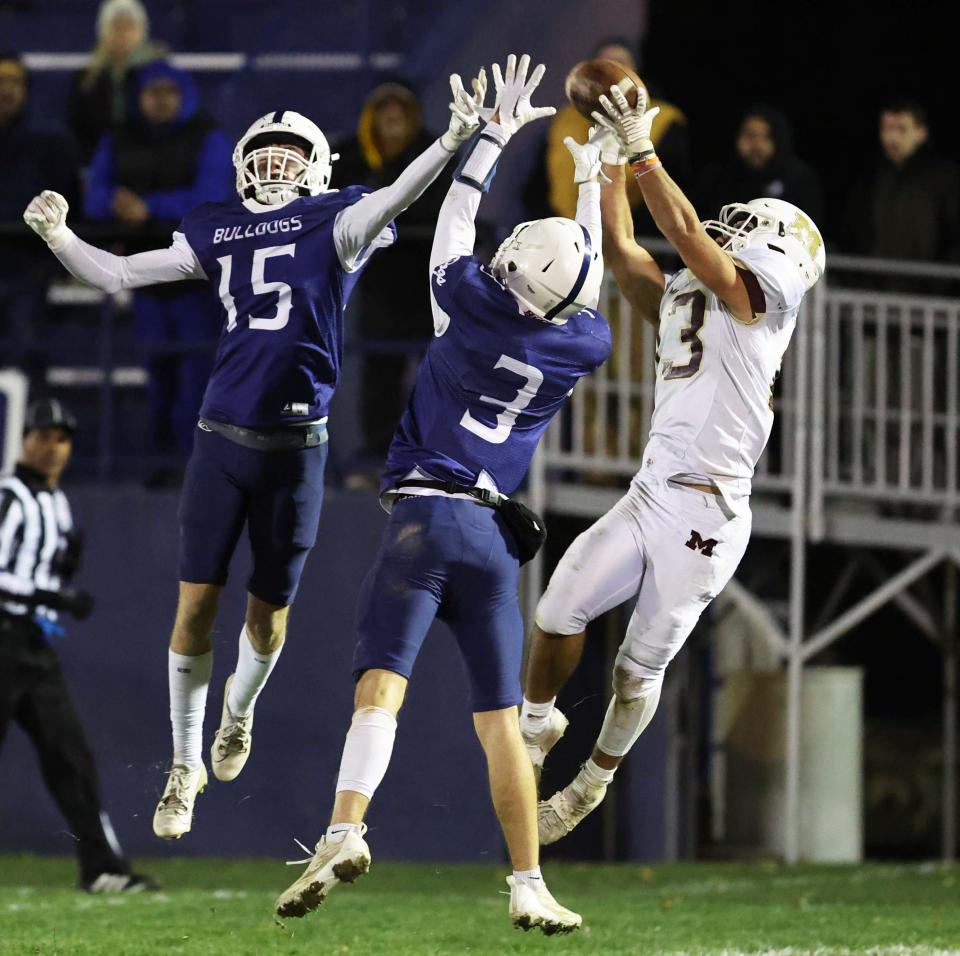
(479, 165)
(642, 166)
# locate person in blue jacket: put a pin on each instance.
(146, 176)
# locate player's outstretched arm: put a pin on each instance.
(360, 224)
(635, 271)
(601, 147)
(671, 210)
(456, 231)
(46, 215)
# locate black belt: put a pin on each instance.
(525, 525)
(292, 438)
(484, 495)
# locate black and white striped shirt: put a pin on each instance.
(35, 523)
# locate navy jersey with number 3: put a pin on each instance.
(283, 290)
(490, 384)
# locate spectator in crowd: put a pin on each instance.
(162, 162)
(31, 158)
(392, 301)
(909, 208)
(763, 163)
(671, 138)
(103, 93)
(40, 552)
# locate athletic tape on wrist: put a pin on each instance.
(479, 165)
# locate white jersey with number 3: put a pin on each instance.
(713, 414)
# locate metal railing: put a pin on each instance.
(880, 405)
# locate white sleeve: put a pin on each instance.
(588, 212)
(453, 238)
(111, 273)
(588, 216)
(456, 231)
(360, 224)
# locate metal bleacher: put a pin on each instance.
(864, 456)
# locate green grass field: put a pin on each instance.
(225, 907)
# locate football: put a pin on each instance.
(588, 80)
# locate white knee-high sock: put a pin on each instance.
(189, 679)
(253, 669)
(367, 751)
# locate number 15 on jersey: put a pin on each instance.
(259, 286)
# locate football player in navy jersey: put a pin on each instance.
(512, 339)
(283, 256)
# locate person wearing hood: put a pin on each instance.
(145, 176)
(103, 93)
(763, 163)
(30, 157)
(393, 297)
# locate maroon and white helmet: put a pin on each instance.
(778, 223)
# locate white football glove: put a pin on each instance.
(514, 91)
(631, 124)
(612, 150)
(588, 157)
(466, 111)
(46, 215)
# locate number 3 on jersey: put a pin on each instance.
(260, 287)
(689, 335)
(499, 433)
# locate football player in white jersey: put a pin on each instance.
(676, 538)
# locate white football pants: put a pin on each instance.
(672, 546)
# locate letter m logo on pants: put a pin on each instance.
(696, 543)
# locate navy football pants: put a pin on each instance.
(456, 560)
(277, 494)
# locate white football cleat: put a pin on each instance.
(531, 907)
(332, 863)
(174, 813)
(232, 742)
(540, 744)
(557, 816)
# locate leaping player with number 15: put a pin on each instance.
(284, 255)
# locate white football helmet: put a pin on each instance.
(271, 175)
(550, 267)
(779, 224)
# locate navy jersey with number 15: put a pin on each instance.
(283, 290)
(490, 384)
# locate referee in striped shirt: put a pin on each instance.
(39, 553)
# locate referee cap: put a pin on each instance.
(49, 413)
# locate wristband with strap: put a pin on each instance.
(479, 165)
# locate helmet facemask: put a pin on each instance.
(270, 172)
(739, 225)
